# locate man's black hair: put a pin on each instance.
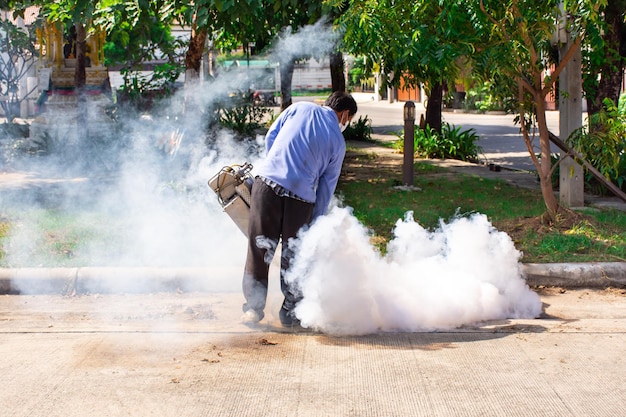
(340, 101)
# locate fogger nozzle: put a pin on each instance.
(233, 185)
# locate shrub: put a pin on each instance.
(482, 99)
(243, 116)
(603, 143)
(361, 130)
(143, 91)
(463, 142)
(452, 143)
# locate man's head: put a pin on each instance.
(344, 105)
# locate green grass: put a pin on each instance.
(602, 240)
(322, 93)
(601, 236)
(51, 237)
(443, 194)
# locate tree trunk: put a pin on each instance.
(612, 69)
(336, 71)
(80, 76)
(193, 58)
(80, 80)
(193, 63)
(286, 76)
(545, 169)
(433, 107)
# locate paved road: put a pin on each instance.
(500, 138)
(188, 355)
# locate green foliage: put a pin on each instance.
(453, 143)
(517, 51)
(243, 116)
(601, 55)
(142, 90)
(602, 142)
(482, 98)
(423, 40)
(70, 11)
(139, 33)
(360, 130)
(360, 75)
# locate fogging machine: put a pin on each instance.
(233, 185)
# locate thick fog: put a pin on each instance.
(142, 200)
(464, 272)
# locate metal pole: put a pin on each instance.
(409, 145)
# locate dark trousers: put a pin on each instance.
(272, 219)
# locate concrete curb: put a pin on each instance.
(68, 281)
(594, 274)
(103, 280)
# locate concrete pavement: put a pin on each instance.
(188, 354)
(71, 349)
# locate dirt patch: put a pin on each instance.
(364, 165)
(518, 229)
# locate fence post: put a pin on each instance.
(409, 145)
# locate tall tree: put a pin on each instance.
(337, 63)
(517, 53)
(139, 34)
(287, 17)
(337, 76)
(238, 19)
(418, 41)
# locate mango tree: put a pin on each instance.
(423, 41)
(137, 33)
(518, 54)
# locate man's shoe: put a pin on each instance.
(296, 327)
(292, 323)
(287, 319)
(250, 317)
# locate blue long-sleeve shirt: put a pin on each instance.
(304, 153)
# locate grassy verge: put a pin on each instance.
(50, 237)
(367, 185)
(596, 235)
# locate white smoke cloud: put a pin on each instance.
(155, 211)
(150, 208)
(315, 40)
(462, 273)
(147, 208)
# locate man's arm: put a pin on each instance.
(327, 184)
